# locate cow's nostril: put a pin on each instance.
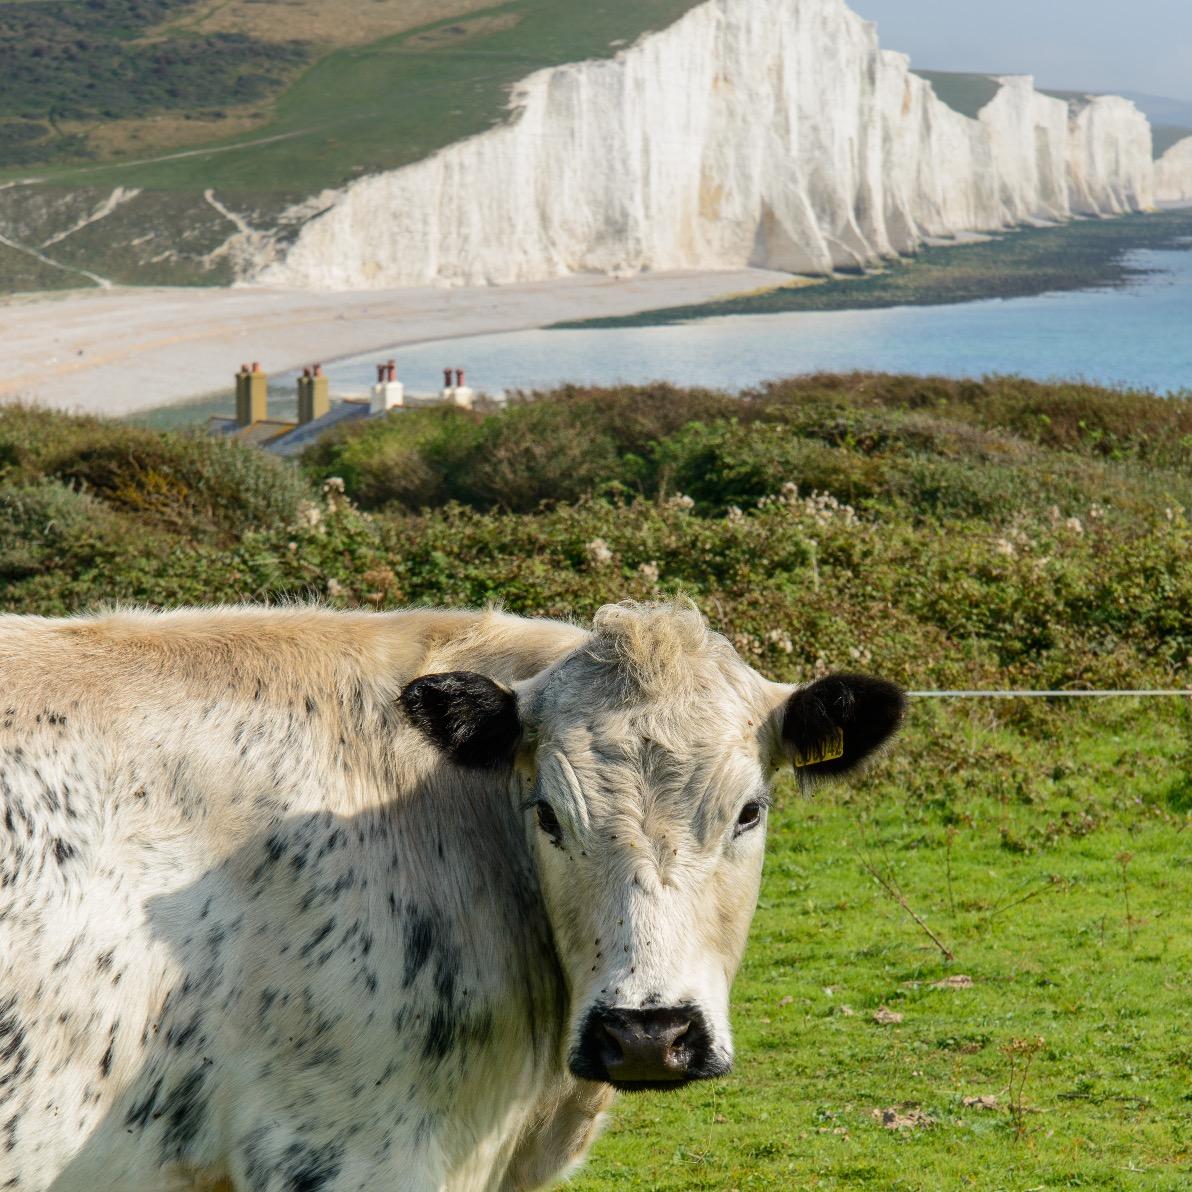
(611, 1052)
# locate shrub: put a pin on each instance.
(942, 550)
(405, 459)
(189, 482)
(47, 526)
(937, 446)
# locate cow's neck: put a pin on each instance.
(473, 949)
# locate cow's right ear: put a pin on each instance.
(468, 717)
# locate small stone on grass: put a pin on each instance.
(989, 1101)
(958, 981)
(905, 1117)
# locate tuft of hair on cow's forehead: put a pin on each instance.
(654, 650)
(655, 671)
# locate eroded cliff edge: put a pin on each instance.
(776, 133)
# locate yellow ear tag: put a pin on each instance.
(830, 749)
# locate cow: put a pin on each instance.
(296, 900)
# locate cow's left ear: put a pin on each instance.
(467, 716)
(832, 725)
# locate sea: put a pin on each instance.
(1135, 336)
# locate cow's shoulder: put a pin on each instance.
(504, 647)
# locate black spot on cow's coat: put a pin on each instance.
(318, 937)
(63, 851)
(184, 1111)
(419, 940)
(141, 1110)
(178, 1036)
(299, 1168)
(14, 1054)
(105, 1062)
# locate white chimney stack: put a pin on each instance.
(458, 394)
(388, 393)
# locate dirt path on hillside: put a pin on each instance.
(102, 282)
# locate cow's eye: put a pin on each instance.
(549, 822)
(750, 817)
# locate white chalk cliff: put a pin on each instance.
(775, 133)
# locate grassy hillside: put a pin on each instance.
(396, 100)
(97, 80)
(359, 108)
(62, 61)
(948, 534)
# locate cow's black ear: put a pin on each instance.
(832, 725)
(473, 720)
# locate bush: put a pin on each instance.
(187, 482)
(46, 525)
(938, 447)
(814, 533)
(726, 464)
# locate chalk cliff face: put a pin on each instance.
(768, 132)
(1110, 167)
(1173, 174)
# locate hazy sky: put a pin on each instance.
(1098, 45)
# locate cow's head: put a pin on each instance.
(644, 760)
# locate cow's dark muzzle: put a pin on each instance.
(636, 1050)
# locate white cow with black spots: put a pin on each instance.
(302, 901)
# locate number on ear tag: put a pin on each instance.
(829, 750)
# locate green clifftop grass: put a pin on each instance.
(947, 534)
(375, 107)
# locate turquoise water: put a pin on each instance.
(1140, 335)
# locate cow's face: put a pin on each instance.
(644, 767)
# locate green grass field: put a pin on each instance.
(943, 533)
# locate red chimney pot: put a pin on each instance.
(459, 377)
(446, 378)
